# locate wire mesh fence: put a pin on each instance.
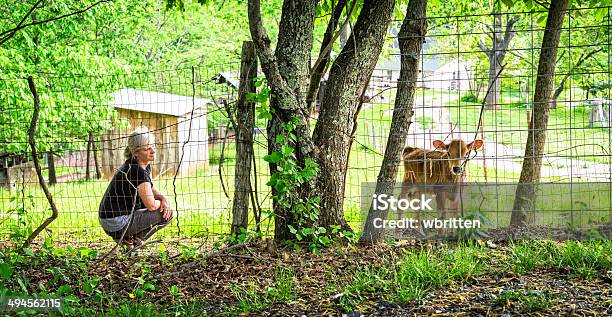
(85, 120)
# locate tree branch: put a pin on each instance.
(41, 180)
(583, 57)
(483, 47)
(320, 65)
(509, 33)
(268, 61)
(8, 34)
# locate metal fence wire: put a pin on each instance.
(85, 120)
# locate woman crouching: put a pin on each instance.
(132, 207)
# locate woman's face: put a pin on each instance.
(145, 154)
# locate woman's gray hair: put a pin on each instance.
(138, 138)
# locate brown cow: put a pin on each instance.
(443, 167)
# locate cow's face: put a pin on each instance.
(457, 151)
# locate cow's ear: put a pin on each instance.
(439, 145)
(476, 145)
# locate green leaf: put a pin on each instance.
(601, 13)
(28, 252)
(71, 299)
(264, 115)
(275, 157)
(63, 289)
(6, 271)
(287, 150)
(542, 21)
(508, 3)
(148, 286)
(292, 229)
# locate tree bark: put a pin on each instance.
(95, 157)
(287, 72)
(324, 55)
(496, 55)
(51, 168)
(88, 158)
(411, 37)
(244, 138)
(347, 80)
(525, 196)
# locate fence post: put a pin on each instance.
(88, 158)
(245, 117)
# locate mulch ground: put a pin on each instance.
(212, 280)
(316, 295)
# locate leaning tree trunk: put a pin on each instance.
(524, 200)
(348, 79)
(287, 72)
(411, 37)
(245, 116)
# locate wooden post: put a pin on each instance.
(51, 168)
(245, 116)
(88, 159)
(95, 157)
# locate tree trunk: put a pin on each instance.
(410, 37)
(494, 96)
(287, 72)
(347, 81)
(500, 41)
(244, 138)
(524, 200)
(88, 158)
(51, 168)
(496, 57)
(95, 157)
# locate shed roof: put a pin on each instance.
(231, 77)
(155, 102)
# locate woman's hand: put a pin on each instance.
(165, 209)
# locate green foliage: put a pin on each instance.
(408, 277)
(81, 59)
(582, 259)
(286, 182)
(469, 98)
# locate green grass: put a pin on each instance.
(411, 275)
(582, 259)
(352, 278)
(425, 121)
(569, 133)
(527, 300)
